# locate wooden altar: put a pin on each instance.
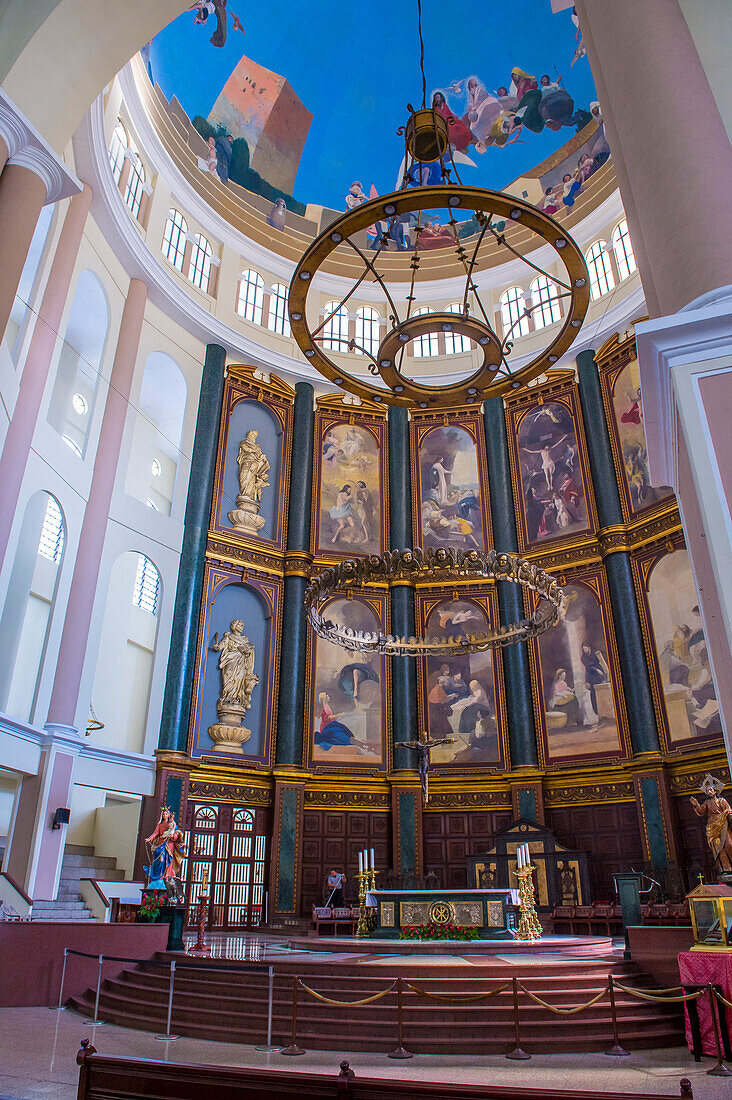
(486, 910)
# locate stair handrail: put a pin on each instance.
(15, 896)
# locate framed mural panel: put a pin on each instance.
(549, 466)
(347, 713)
(350, 505)
(579, 705)
(684, 690)
(253, 459)
(620, 382)
(451, 506)
(236, 679)
(463, 697)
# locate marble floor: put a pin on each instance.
(38, 1049)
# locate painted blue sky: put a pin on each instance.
(357, 66)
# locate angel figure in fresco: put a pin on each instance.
(165, 851)
(717, 812)
(204, 9)
(634, 413)
(236, 662)
(548, 464)
(352, 676)
(423, 747)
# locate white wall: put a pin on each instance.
(115, 832)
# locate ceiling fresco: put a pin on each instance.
(313, 100)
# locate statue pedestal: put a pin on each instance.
(173, 916)
(245, 517)
(228, 738)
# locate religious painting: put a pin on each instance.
(627, 404)
(581, 710)
(348, 508)
(252, 467)
(234, 712)
(348, 691)
(462, 696)
(552, 475)
(450, 501)
(689, 693)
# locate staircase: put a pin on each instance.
(79, 862)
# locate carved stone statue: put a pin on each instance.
(238, 681)
(253, 470)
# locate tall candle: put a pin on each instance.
(373, 863)
(527, 855)
(360, 863)
(518, 857)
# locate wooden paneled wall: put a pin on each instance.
(333, 838)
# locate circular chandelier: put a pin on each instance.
(434, 565)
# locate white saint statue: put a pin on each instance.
(238, 681)
(253, 478)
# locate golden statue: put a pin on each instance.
(253, 471)
(238, 680)
(717, 811)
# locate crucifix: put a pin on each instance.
(423, 747)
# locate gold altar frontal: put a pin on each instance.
(486, 910)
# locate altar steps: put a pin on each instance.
(212, 1004)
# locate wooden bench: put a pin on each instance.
(333, 918)
(106, 1078)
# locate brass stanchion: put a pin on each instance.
(400, 1051)
(615, 1051)
(517, 1054)
(720, 1070)
(293, 1047)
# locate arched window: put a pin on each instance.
(427, 345)
(367, 330)
(277, 320)
(335, 329)
(200, 270)
(135, 185)
(29, 605)
(117, 149)
(544, 299)
(455, 342)
(513, 312)
(174, 238)
(623, 249)
(602, 279)
(147, 585)
(251, 297)
(51, 542)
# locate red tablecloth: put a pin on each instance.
(698, 968)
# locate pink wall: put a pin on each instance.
(33, 955)
(716, 394)
(52, 841)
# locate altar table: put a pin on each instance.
(486, 910)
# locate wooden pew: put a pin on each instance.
(111, 1078)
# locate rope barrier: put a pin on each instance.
(452, 999)
(563, 1011)
(719, 997)
(641, 995)
(331, 1001)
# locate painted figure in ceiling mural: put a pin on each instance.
(461, 691)
(350, 509)
(628, 406)
(450, 484)
(551, 478)
(347, 695)
(688, 686)
(578, 694)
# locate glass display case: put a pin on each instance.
(711, 917)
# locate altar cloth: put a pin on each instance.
(486, 910)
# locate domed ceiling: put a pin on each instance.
(313, 100)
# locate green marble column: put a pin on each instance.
(403, 669)
(291, 706)
(182, 655)
(517, 673)
(633, 666)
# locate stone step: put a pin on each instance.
(60, 904)
(79, 849)
(104, 874)
(84, 859)
(63, 915)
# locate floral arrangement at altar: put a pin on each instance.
(434, 931)
(152, 901)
